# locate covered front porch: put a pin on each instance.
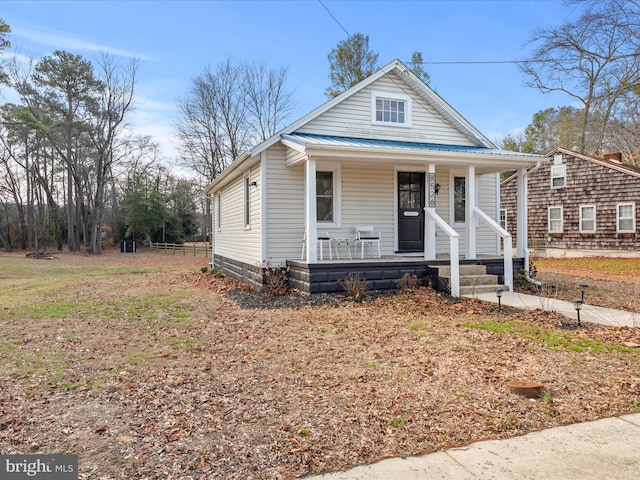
(329, 276)
(454, 214)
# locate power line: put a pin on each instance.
(463, 62)
(481, 62)
(334, 18)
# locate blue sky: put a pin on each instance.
(175, 40)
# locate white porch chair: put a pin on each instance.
(364, 235)
(323, 237)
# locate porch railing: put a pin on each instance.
(508, 246)
(454, 249)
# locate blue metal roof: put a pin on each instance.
(308, 139)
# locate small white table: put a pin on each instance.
(339, 241)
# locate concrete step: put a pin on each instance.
(470, 280)
(473, 279)
(475, 289)
(445, 270)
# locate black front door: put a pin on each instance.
(411, 198)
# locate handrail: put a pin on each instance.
(508, 246)
(454, 249)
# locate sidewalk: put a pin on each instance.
(606, 449)
(589, 313)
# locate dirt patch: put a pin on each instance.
(201, 380)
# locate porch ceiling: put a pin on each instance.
(486, 160)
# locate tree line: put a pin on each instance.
(72, 172)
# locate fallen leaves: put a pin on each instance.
(253, 393)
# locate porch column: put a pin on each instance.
(430, 224)
(470, 206)
(310, 211)
(522, 228)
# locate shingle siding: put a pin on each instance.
(587, 183)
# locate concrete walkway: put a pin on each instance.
(606, 449)
(589, 313)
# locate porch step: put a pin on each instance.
(476, 289)
(473, 279)
(445, 270)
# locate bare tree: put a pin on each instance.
(227, 110)
(269, 102)
(107, 135)
(212, 124)
(594, 60)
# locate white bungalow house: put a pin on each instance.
(388, 153)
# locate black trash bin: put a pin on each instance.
(128, 246)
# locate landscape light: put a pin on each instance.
(583, 287)
(577, 303)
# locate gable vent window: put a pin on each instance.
(391, 109)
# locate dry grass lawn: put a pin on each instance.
(146, 368)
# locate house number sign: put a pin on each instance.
(432, 190)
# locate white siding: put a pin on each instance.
(442, 209)
(285, 207)
(233, 240)
(352, 118)
(486, 243)
(367, 199)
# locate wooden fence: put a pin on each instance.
(195, 249)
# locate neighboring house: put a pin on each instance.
(578, 206)
(389, 152)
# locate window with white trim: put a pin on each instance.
(247, 202)
(503, 218)
(587, 218)
(390, 109)
(558, 176)
(218, 210)
(626, 217)
(555, 220)
(459, 199)
(325, 198)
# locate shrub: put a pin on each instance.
(275, 279)
(354, 285)
(212, 271)
(408, 282)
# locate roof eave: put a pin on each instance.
(480, 158)
(227, 174)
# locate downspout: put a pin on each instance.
(214, 214)
(537, 283)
